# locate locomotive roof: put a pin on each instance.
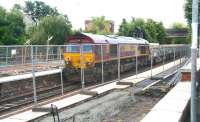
(111, 39)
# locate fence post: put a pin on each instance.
(60, 56)
(152, 52)
(22, 57)
(36, 50)
(102, 66)
(33, 76)
(136, 62)
(180, 56)
(174, 55)
(118, 50)
(47, 53)
(61, 79)
(6, 55)
(163, 58)
(82, 67)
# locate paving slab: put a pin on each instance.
(29, 75)
(172, 106)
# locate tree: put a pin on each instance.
(188, 11)
(177, 25)
(179, 28)
(99, 26)
(38, 9)
(188, 16)
(134, 28)
(12, 27)
(123, 28)
(56, 26)
(150, 30)
(161, 33)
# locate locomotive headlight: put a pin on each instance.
(67, 59)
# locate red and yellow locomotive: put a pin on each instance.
(85, 50)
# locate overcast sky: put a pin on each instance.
(167, 11)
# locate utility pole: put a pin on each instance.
(194, 61)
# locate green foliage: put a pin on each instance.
(56, 26)
(188, 16)
(177, 25)
(188, 11)
(180, 40)
(150, 30)
(123, 28)
(99, 26)
(12, 28)
(181, 28)
(38, 9)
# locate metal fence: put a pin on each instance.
(48, 56)
(20, 54)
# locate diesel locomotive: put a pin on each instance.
(89, 51)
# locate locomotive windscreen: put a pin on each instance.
(76, 48)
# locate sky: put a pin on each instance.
(167, 11)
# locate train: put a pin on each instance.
(88, 51)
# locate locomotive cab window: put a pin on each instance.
(87, 48)
(76, 48)
(72, 48)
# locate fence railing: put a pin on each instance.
(110, 60)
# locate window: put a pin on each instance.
(72, 48)
(76, 48)
(87, 48)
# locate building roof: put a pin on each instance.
(176, 32)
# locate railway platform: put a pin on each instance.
(77, 99)
(28, 75)
(174, 107)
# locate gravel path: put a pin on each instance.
(135, 111)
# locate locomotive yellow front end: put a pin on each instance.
(77, 56)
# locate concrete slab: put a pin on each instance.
(13, 120)
(26, 76)
(69, 101)
(162, 116)
(105, 88)
(121, 86)
(25, 116)
(172, 105)
(30, 115)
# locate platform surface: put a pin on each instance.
(29, 75)
(69, 101)
(29, 115)
(171, 107)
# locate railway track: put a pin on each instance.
(11, 104)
